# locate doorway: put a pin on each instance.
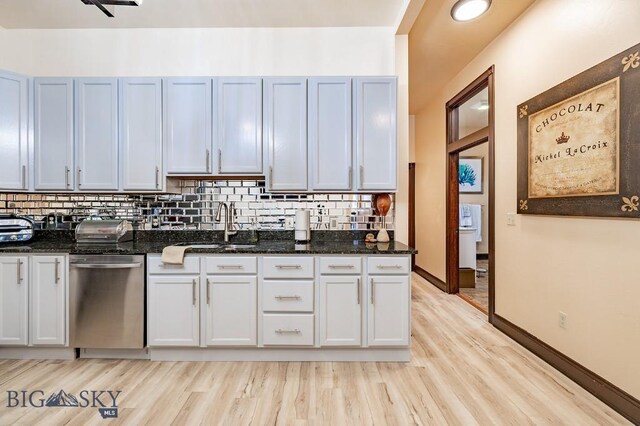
(470, 262)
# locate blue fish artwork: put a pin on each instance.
(466, 175)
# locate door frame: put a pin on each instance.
(454, 147)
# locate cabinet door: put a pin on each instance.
(97, 134)
(173, 312)
(188, 125)
(330, 159)
(340, 311)
(375, 132)
(285, 127)
(389, 321)
(48, 313)
(53, 133)
(239, 126)
(141, 134)
(14, 279)
(231, 310)
(13, 132)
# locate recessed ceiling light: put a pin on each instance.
(466, 10)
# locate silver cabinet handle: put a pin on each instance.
(157, 177)
(19, 271)
(229, 266)
(193, 292)
(282, 331)
(219, 161)
(57, 271)
(358, 290)
(270, 177)
(341, 266)
(296, 297)
(24, 176)
(208, 161)
(361, 177)
(289, 266)
(208, 294)
(66, 177)
(389, 266)
(373, 297)
(350, 177)
(79, 171)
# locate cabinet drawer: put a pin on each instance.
(231, 265)
(191, 265)
(388, 265)
(287, 296)
(340, 265)
(287, 329)
(288, 267)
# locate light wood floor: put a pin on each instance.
(463, 375)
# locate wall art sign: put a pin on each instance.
(470, 175)
(579, 143)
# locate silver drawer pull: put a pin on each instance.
(389, 266)
(288, 266)
(230, 266)
(341, 266)
(296, 297)
(294, 331)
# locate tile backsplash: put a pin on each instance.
(195, 207)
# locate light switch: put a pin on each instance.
(511, 219)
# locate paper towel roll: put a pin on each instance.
(303, 219)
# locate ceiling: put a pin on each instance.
(439, 47)
(202, 14)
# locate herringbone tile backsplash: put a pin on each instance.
(196, 206)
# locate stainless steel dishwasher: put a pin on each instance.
(107, 295)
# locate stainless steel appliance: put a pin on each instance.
(106, 292)
(107, 301)
(15, 228)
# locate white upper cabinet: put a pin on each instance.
(14, 302)
(97, 134)
(48, 300)
(239, 126)
(187, 123)
(375, 133)
(13, 132)
(141, 134)
(330, 147)
(285, 129)
(53, 133)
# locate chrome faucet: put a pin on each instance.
(229, 214)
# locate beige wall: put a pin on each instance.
(221, 51)
(481, 151)
(585, 267)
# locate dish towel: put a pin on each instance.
(476, 220)
(174, 255)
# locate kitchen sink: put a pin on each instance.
(238, 246)
(215, 246)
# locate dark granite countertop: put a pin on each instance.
(269, 243)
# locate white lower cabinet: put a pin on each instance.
(14, 300)
(48, 313)
(173, 317)
(340, 310)
(231, 310)
(287, 329)
(389, 310)
(33, 300)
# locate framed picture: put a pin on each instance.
(470, 175)
(579, 143)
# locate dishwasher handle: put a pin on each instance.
(105, 265)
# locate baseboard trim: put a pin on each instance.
(37, 353)
(431, 278)
(282, 354)
(607, 392)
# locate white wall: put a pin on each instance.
(220, 51)
(585, 267)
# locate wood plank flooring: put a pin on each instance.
(467, 375)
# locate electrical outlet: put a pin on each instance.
(511, 219)
(289, 223)
(562, 319)
(333, 223)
